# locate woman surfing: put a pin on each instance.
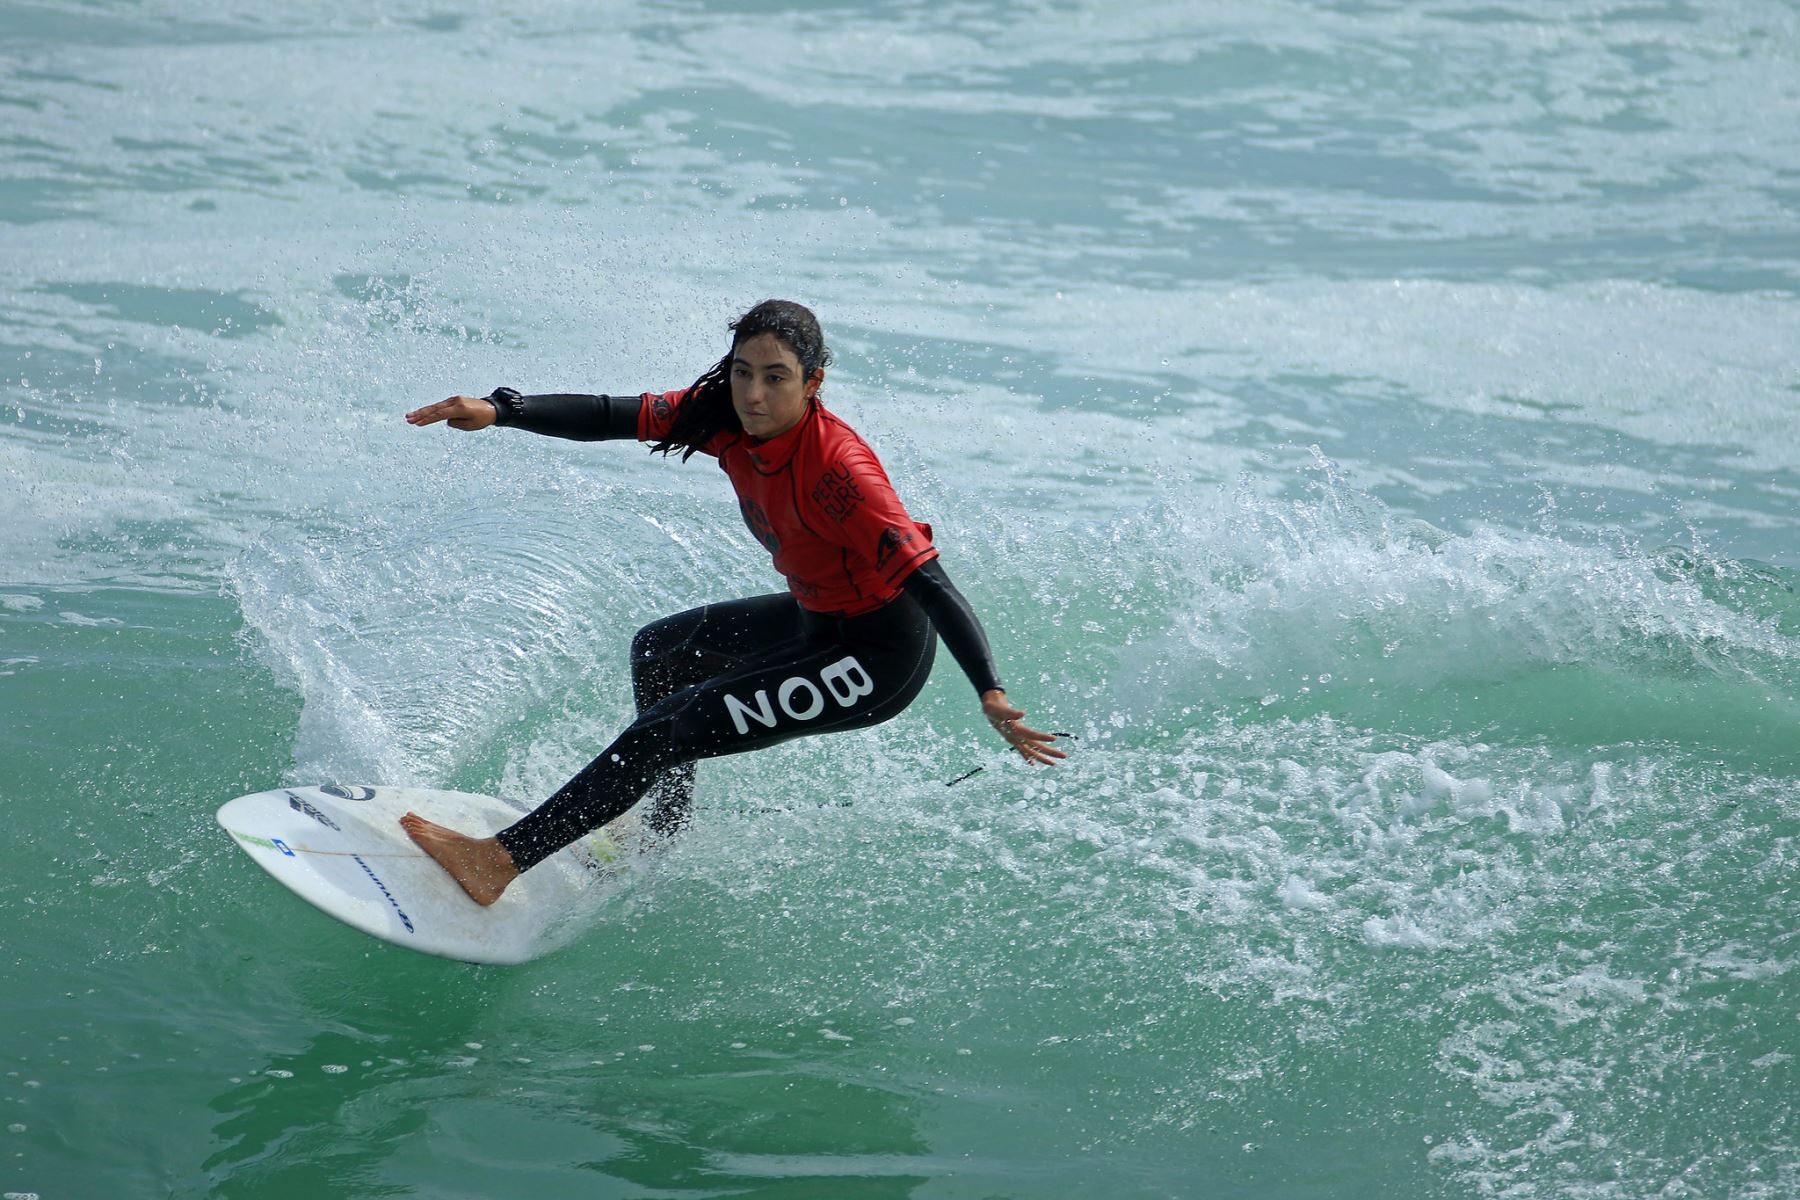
(848, 645)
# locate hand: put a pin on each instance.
(1033, 747)
(463, 412)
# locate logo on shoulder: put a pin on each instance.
(837, 493)
(661, 409)
(893, 539)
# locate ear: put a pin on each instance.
(814, 382)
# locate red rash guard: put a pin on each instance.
(817, 498)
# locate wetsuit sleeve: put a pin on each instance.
(955, 622)
(566, 415)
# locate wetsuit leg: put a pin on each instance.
(688, 648)
(841, 675)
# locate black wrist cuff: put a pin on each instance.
(508, 404)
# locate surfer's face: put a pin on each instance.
(769, 389)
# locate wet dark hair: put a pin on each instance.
(706, 411)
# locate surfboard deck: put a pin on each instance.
(340, 847)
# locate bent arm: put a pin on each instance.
(580, 418)
(955, 622)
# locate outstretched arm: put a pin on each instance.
(581, 418)
(957, 624)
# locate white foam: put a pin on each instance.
(1298, 893)
(75, 618)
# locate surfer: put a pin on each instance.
(848, 645)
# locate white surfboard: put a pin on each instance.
(340, 847)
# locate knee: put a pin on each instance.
(653, 651)
(651, 642)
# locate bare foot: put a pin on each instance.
(481, 866)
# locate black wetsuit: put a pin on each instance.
(738, 675)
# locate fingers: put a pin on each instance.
(431, 414)
(1033, 745)
(443, 410)
(1038, 749)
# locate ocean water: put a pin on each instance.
(1369, 426)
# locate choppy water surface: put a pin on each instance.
(1369, 427)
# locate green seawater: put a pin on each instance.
(1369, 428)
